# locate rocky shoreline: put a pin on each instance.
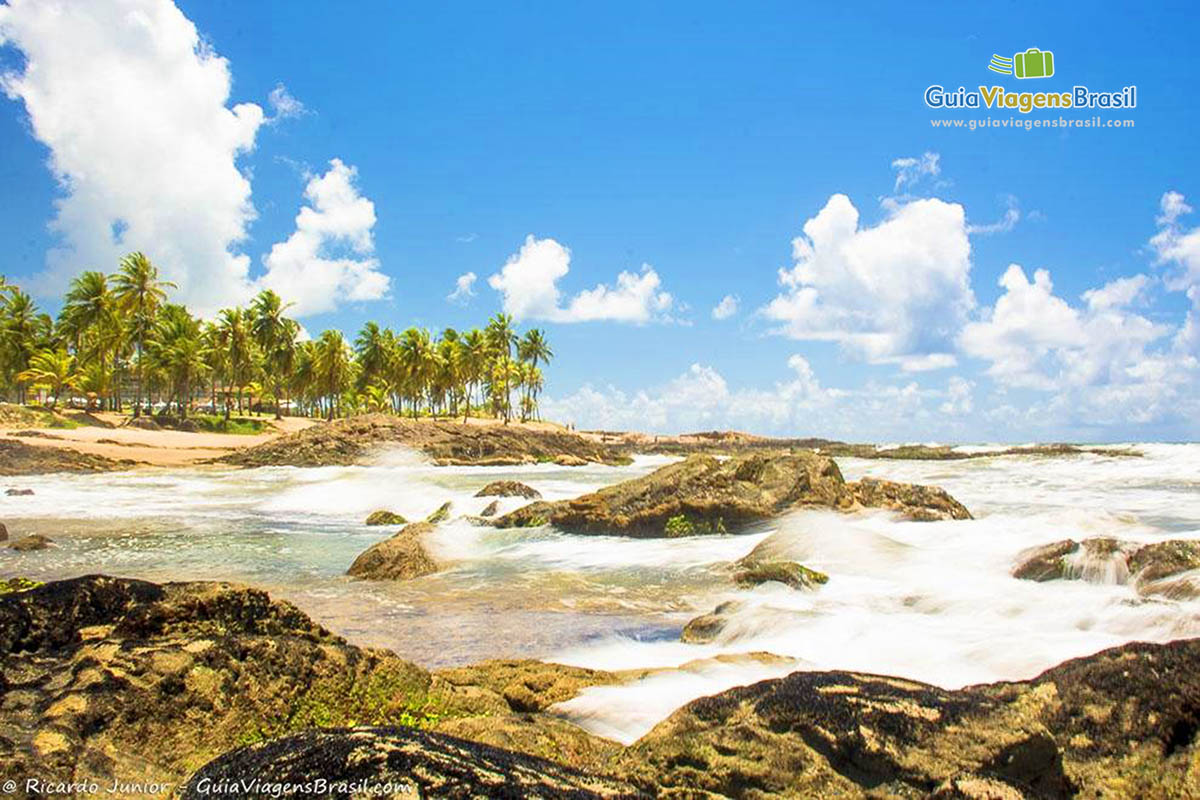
(114, 679)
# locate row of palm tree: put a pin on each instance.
(119, 343)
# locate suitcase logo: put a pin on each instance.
(1033, 63)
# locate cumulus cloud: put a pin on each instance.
(463, 290)
(1099, 360)
(726, 308)
(528, 284)
(1176, 246)
(701, 399)
(134, 108)
(897, 292)
(912, 170)
(329, 258)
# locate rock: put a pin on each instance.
(566, 460)
(1045, 563)
(19, 492)
(706, 628)
(791, 573)
(490, 509)
(912, 501)
(357, 439)
(527, 685)
(1154, 569)
(135, 679)
(21, 458)
(1121, 723)
(144, 423)
(416, 763)
(385, 518)
(1160, 560)
(3, 532)
(703, 494)
(509, 489)
(30, 543)
(441, 515)
(399, 558)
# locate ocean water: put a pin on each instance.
(928, 601)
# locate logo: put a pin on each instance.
(1033, 63)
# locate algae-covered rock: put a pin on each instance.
(703, 494)
(1121, 723)
(1045, 563)
(385, 518)
(706, 628)
(401, 557)
(1160, 560)
(440, 515)
(490, 509)
(30, 543)
(509, 489)
(791, 573)
(18, 584)
(1159, 569)
(3, 532)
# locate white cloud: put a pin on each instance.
(284, 104)
(329, 258)
(463, 291)
(1101, 362)
(912, 170)
(701, 399)
(959, 399)
(726, 308)
(528, 283)
(133, 106)
(894, 293)
(1176, 246)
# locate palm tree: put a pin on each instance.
(501, 337)
(178, 349)
(89, 318)
(473, 360)
(333, 368)
(531, 350)
(233, 335)
(417, 361)
(51, 369)
(19, 333)
(370, 347)
(138, 293)
(275, 336)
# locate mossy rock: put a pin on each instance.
(18, 584)
(30, 543)
(791, 573)
(386, 518)
(441, 515)
(684, 525)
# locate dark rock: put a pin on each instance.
(706, 628)
(440, 515)
(30, 543)
(1121, 723)
(428, 764)
(19, 492)
(791, 573)
(385, 518)
(1160, 560)
(703, 494)
(509, 489)
(1045, 563)
(144, 423)
(490, 509)
(3, 532)
(399, 558)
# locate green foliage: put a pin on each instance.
(18, 584)
(683, 525)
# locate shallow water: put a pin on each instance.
(930, 601)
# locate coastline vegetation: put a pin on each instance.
(119, 344)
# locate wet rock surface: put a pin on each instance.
(385, 518)
(1167, 569)
(1121, 723)
(703, 494)
(790, 573)
(401, 557)
(20, 458)
(355, 440)
(509, 489)
(28, 544)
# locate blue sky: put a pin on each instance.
(686, 145)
